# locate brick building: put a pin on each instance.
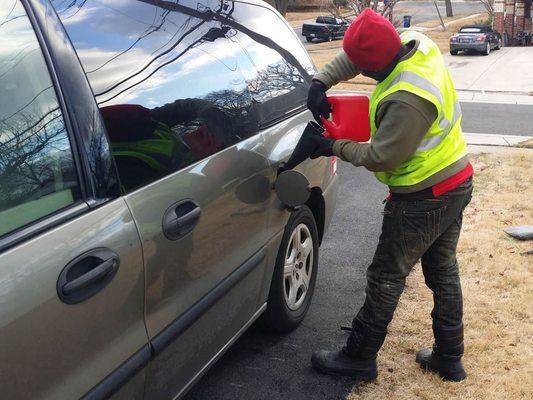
(512, 17)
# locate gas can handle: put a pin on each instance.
(331, 127)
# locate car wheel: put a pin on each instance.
(454, 52)
(499, 45)
(330, 38)
(309, 39)
(293, 281)
(487, 49)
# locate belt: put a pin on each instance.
(420, 195)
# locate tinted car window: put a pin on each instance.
(282, 69)
(169, 82)
(37, 172)
(325, 20)
(470, 30)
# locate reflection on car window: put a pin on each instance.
(169, 84)
(470, 30)
(277, 83)
(178, 82)
(37, 172)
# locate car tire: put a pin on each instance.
(288, 300)
(454, 52)
(309, 39)
(499, 45)
(330, 38)
(486, 52)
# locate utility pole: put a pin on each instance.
(449, 11)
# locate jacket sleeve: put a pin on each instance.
(337, 70)
(403, 119)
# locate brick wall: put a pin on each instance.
(499, 13)
(509, 18)
(519, 13)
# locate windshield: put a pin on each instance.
(470, 30)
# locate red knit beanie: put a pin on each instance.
(371, 41)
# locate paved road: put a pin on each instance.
(502, 119)
(422, 11)
(270, 367)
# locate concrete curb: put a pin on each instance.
(477, 149)
(488, 139)
(467, 96)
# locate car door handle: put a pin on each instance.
(86, 275)
(90, 277)
(180, 219)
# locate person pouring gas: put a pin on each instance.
(417, 148)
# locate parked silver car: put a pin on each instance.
(139, 232)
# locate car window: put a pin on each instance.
(168, 82)
(470, 30)
(325, 20)
(37, 172)
(282, 69)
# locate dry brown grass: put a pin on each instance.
(498, 292)
(527, 144)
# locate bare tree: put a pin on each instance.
(489, 6)
(359, 5)
(449, 11)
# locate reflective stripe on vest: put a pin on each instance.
(444, 123)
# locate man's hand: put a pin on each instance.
(317, 101)
(323, 146)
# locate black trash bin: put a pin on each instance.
(406, 21)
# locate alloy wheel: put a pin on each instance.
(298, 267)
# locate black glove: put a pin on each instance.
(323, 147)
(317, 101)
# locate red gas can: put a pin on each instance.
(349, 118)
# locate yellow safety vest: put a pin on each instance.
(425, 75)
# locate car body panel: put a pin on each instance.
(56, 350)
(179, 273)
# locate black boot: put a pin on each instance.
(340, 363)
(445, 358)
(357, 359)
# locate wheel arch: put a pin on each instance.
(317, 206)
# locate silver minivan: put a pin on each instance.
(139, 231)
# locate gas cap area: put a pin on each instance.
(292, 188)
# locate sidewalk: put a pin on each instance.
(503, 73)
(482, 96)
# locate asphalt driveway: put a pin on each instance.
(271, 367)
